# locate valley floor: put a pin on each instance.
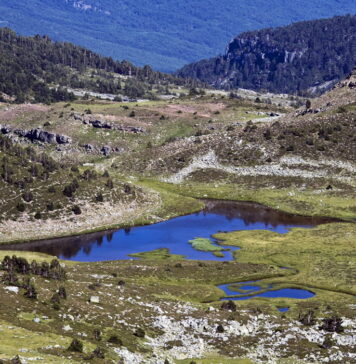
(161, 159)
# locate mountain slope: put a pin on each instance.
(288, 59)
(40, 70)
(165, 34)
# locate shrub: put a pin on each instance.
(50, 206)
(114, 339)
(228, 306)
(30, 291)
(16, 360)
(307, 319)
(76, 346)
(27, 196)
(62, 292)
(38, 215)
(76, 210)
(69, 190)
(55, 298)
(99, 197)
(10, 279)
(333, 324)
(139, 333)
(99, 353)
(97, 334)
(20, 207)
(109, 183)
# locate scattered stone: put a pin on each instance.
(94, 299)
(12, 289)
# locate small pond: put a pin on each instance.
(247, 290)
(173, 234)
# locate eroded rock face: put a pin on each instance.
(37, 135)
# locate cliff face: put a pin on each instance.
(310, 55)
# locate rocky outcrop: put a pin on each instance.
(103, 124)
(37, 134)
(276, 59)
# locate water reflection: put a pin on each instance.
(173, 234)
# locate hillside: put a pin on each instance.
(36, 189)
(199, 138)
(164, 34)
(303, 57)
(40, 70)
(92, 173)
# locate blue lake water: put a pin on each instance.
(173, 234)
(255, 290)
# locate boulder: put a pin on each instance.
(105, 150)
(5, 129)
(94, 299)
(13, 289)
(100, 124)
(62, 139)
(88, 147)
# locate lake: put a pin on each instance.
(173, 234)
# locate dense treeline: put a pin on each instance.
(286, 59)
(28, 65)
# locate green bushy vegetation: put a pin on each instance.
(40, 70)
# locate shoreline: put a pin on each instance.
(151, 216)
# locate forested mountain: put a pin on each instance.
(310, 55)
(165, 34)
(39, 69)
